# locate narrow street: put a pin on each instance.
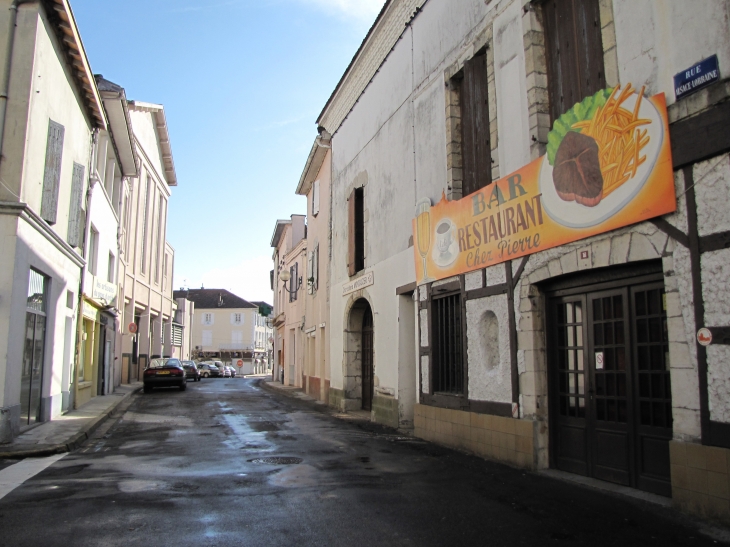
(229, 463)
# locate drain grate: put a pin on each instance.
(277, 460)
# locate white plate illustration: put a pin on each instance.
(575, 215)
(446, 245)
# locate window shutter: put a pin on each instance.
(310, 272)
(75, 236)
(291, 283)
(52, 172)
(476, 151)
(295, 280)
(316, 267)
(351, 229)
(315, 198)
(574, 53)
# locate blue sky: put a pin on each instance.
(242, 83)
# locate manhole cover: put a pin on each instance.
(277, 460)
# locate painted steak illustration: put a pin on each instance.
(577, 173)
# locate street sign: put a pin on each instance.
(132, 328)
(599, 360)
(696, 77)
(239, 363)
(704, 336)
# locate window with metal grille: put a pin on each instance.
(574, 52)
(448, 362)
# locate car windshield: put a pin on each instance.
(162, 362)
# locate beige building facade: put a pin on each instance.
(290, 257)
(146, 305)
(314, 185)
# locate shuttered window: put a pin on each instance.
(315, 198)
(356, 232)
(177, 334)
(293, 281)
(313, 270)
(475, 146)
(315, 267)
(574, 52)
(75, 236)
(52, 172)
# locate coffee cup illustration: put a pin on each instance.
(444, 237)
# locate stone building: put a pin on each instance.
(579, 349)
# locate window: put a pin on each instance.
(207, 338)
(476, 154)
(52, 172)
(294, 272)
(207, 319)
(161, 210)
(356, 232)
(110, 270)
(145, 215)
(75, 236)
(92, 254)
(237, 318)
(236, 338)
(313, 270)
(574, 52)
(315, 198)
(448, 365)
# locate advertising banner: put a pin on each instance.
(608, 165)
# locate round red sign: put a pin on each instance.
(132, 328)
(239, 363)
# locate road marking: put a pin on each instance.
(15, 475)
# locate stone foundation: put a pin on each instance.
(496, 438)
(337, 398)
(385, 410)
(701, 480)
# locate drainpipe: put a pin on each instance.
(7, 65)
(84, 253)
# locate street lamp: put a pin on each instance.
(286, 276)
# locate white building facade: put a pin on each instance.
(543, 360)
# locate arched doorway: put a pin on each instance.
(367, 360)
(359, 364)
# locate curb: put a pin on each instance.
(76, 441)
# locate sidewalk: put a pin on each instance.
(69, 431)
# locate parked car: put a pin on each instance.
(164, 372)
(191, 371)
(233, 372)
(226, 372)
(208, 371)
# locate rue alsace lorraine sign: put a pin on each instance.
(608, 165)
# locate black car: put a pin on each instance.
(208, 371)
(164, 372)
(191, 371)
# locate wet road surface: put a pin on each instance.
(229, 463)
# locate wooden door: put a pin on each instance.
(610, 389)
(367, 360)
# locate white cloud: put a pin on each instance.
(248, 279)
(364, 10)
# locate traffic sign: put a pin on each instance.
(132, 328)
(239, 363)
(704, 336)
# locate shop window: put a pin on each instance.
(356, 231)
(448, 361)
(52, 172)
(574, 52)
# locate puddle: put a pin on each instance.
(135, 485)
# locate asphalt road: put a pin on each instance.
(228, 463)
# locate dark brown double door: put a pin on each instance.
(610, 393)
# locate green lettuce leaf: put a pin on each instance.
(584, 110)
